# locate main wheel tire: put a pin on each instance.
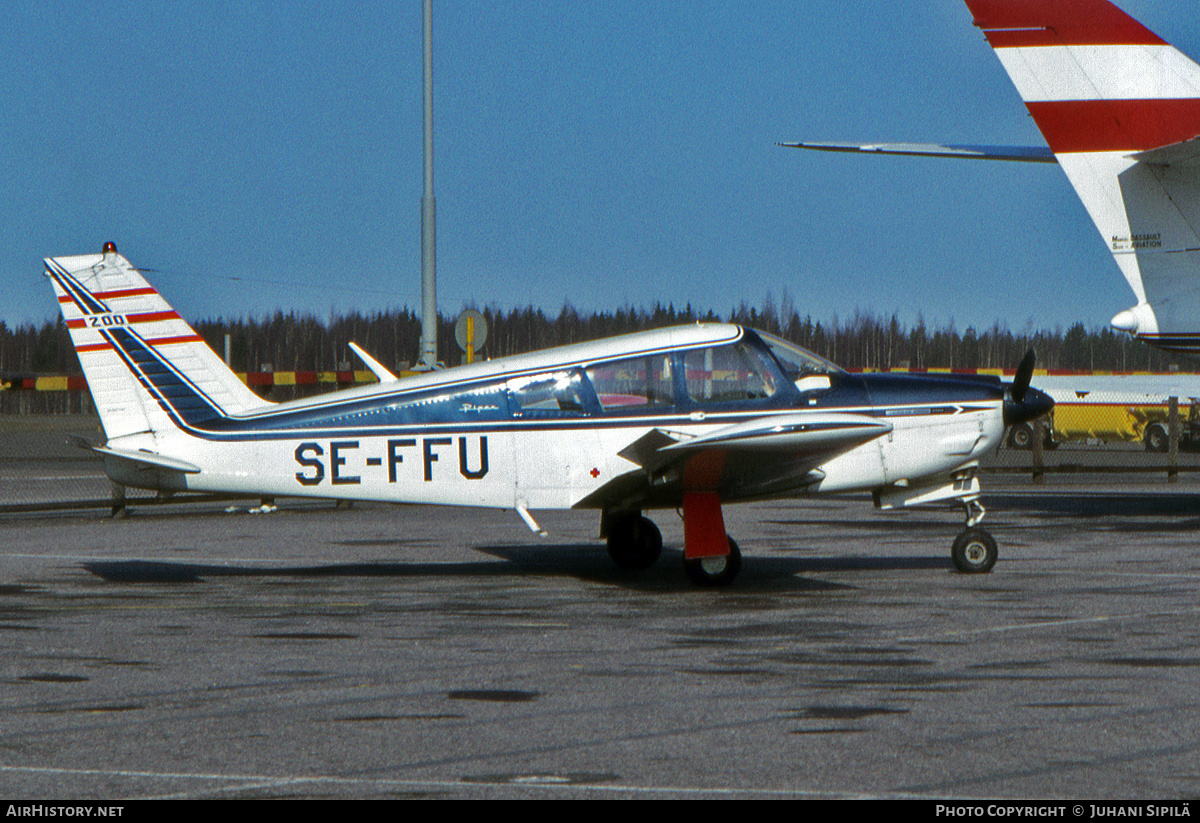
(715, 571)
(1020, 436)
(1157, 439)
(634, 542)
(974, 552)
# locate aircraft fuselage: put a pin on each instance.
(478, 444)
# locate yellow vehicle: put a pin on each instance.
(1112, 417)
(1155, 424)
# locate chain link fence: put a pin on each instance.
(1104, 433)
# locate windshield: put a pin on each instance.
(797, 362)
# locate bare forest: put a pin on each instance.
(292, 342)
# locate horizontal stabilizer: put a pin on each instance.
(1022, 154)
(141, 460)
(148, 460)
(1183, 153)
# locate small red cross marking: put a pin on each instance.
(594, 472)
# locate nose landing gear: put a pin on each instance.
(974, 551)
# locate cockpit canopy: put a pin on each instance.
(747, 369)
(755, 367)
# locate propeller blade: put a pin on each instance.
(1024, 374)
(1022, 402)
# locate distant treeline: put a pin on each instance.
(292, 342)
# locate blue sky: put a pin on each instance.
(258, 156)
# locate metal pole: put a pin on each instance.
(1039, 447)
(428, 359)
(1173, 441)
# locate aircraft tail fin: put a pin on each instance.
(1120, 109)
(146, 367)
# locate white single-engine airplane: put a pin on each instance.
(688, 417)
(1119, 108)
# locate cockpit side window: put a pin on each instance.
(634, 383)
(485, 402)
(553, 394)
(728, 373)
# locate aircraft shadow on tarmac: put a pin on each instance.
(581, 562)
(1131, 511)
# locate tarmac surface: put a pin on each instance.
(415, 652)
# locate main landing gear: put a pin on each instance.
(974, 551)
(718, 570)
(634, 542)
(710, 557)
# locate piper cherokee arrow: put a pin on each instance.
(686, 418)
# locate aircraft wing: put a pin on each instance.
(793, 433)
(1023, 154)
(755, 457)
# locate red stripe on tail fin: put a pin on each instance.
(1058, 23)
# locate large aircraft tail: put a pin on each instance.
(1120, 109)
(147, 369)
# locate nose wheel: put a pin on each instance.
(974, 552)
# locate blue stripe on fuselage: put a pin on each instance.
(887, 389)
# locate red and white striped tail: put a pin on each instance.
(105, 300)
(1120, 109)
